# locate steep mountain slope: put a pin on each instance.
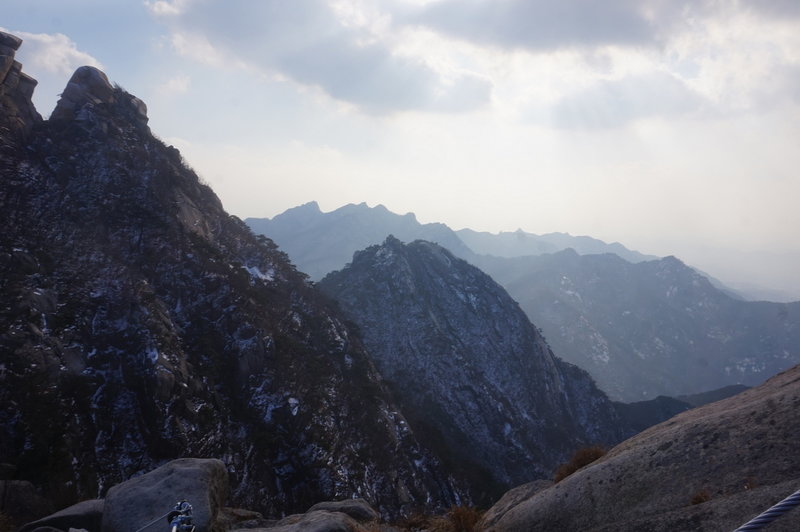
(322, 242)
(469, 369)
(140, 322)
(520, 244)
(652, 328)
(711, 468)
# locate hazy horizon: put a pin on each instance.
(670, 127)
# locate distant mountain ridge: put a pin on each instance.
(519, 244)
(679, 323)
(319, 242)
(651, 328)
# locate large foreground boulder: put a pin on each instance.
(202, 482)
(711, 468)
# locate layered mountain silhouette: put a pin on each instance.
(141, 323)
(320, 242)
(467, 366)
(644, 329)
(651, 328)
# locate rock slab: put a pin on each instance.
(202, 482)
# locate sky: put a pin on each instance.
(670, 126)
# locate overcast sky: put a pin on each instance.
(672, 127)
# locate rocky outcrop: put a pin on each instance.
(472, 374)
(145, 502)
(140, 500)
(17, 112)
(143, 323)
(89, 87)
(20, 501)
(710, 468)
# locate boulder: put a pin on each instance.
(87, 85)
(87, 515)
(511, 499)
(316, 521)
(21, 501)
(358, 509)
(202, 482)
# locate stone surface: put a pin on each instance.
(86, 515)
(358, 509)
(18, 115)
(741, 451)
(12, 41)
(136, 502)
(317, 521)
(22, 502)
(88, 85)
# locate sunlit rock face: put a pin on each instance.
(472, 374)
(140, 322)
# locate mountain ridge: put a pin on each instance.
(144, 323)
(463, 360)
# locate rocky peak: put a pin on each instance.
(472, 374)
(89, 88)
(17, 112)
(161, 327)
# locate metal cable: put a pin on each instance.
(758, 522)
(154, 521)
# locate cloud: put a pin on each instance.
(307, 41)
(614, 103)
(178, 84)
(54, 54)
(540, 24)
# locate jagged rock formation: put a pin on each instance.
(739, 455)
(17, 113)
(652, 328)
(319, 243)
(470, 371)
(140, 322)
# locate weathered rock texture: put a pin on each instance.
(471, 372)
(17, 113)
(743, 453)
(138, 501)
(141, 322)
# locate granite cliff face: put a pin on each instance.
(470, 371)
(140, 322)
(711, 468)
